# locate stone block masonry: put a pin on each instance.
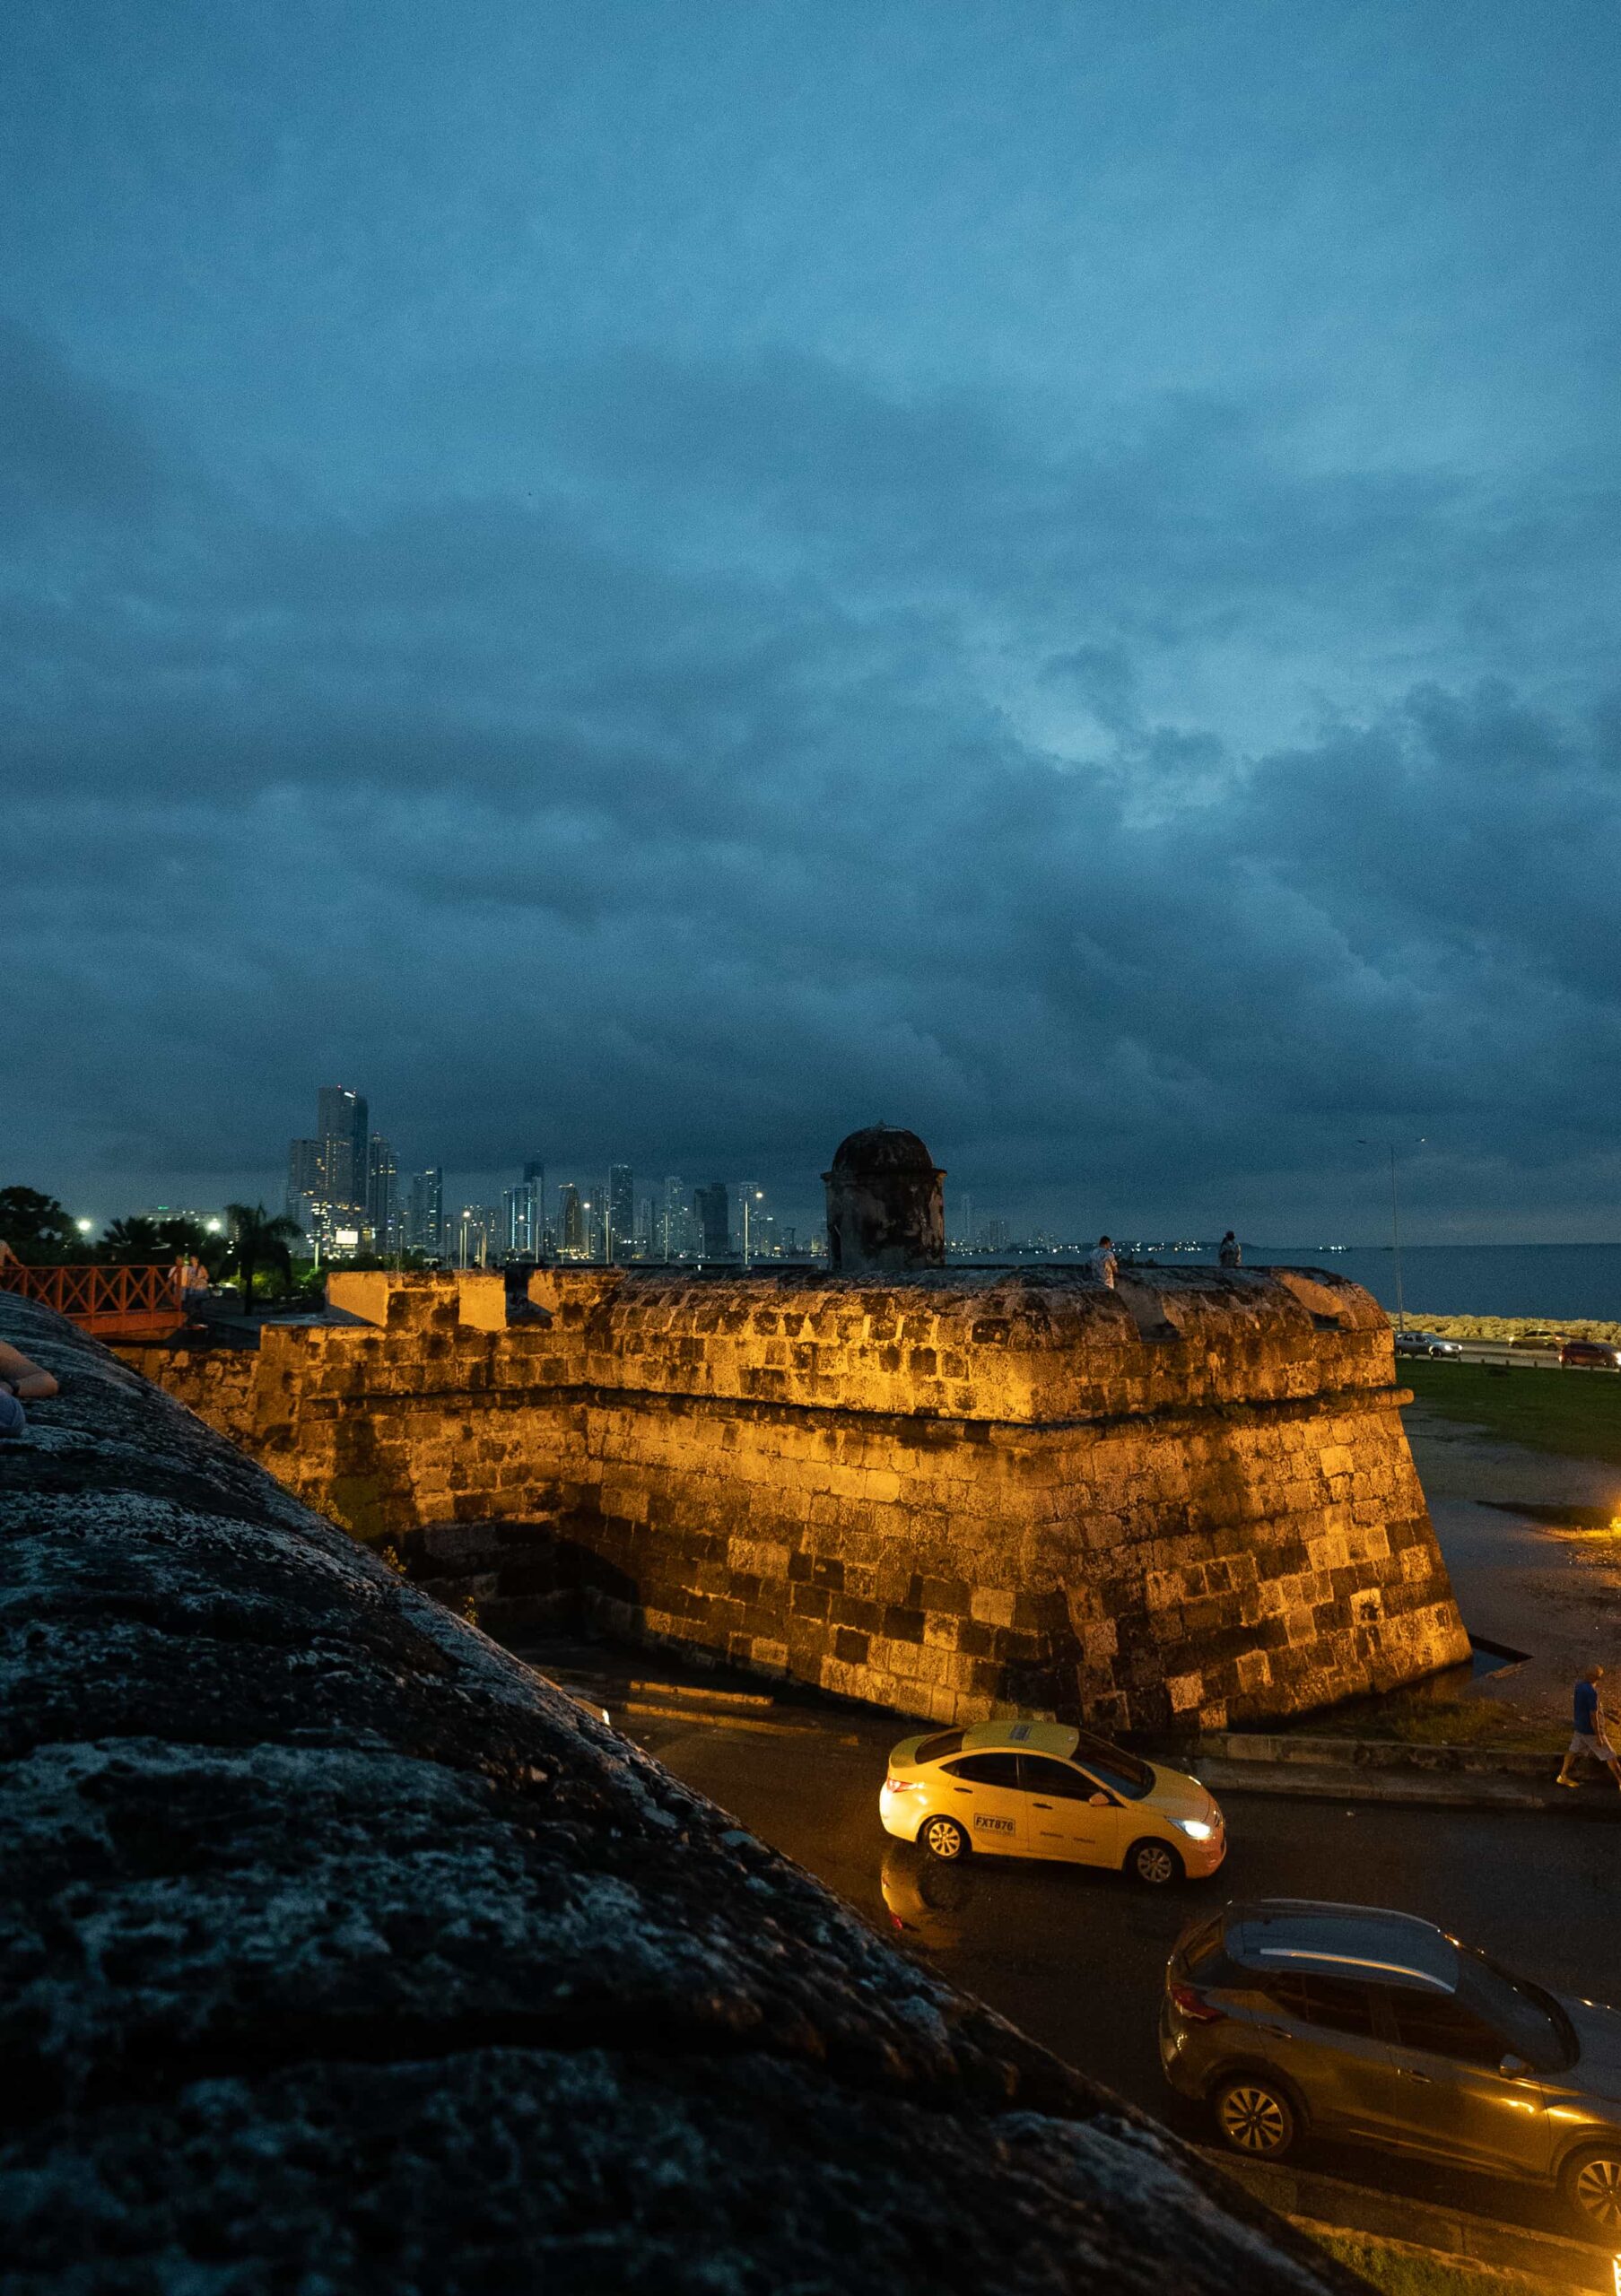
(955, 1493)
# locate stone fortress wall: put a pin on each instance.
(951, 1491)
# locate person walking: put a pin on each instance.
(1589, 1737)
(1231, 1254)
(1102, 1262)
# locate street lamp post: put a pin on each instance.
(1390, 1146)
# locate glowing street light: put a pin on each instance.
(85, 1227)
(1401, 1316)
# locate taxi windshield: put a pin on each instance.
(1112, 1766)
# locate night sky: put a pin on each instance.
(662, 582)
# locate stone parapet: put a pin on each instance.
(1186, 1502)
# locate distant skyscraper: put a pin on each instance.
(749, 1223)
(382, 1195)
(674, 1220)
(571, 1238)
(306, 1186)
(964, 1223)
(424, 1229)
(341, 1123)
(620, 1226)
(523, 1232)
(709, 1205)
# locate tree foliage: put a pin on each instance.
(255, 1236)
(37, 1227)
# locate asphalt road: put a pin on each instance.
(1076, 1957)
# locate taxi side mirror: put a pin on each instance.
(1513, 2066)
(1100, 1801)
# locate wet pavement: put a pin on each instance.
(1076, 1957)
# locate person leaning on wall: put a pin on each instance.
(20, 1381)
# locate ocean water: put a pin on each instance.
(1551, 1279)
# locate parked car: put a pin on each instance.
(1426, 1343)
(1285, 2015)
(1597, 1354)
(1044, 1789)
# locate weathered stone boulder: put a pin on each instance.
(338, 1952)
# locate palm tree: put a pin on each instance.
(132, 1242)
(255, 1236)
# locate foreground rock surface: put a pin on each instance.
(339, 1951)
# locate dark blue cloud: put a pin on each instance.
(1144, 759)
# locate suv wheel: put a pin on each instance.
(1154, 1862)
(1255, 2116)
(1591, 2187)
(944, 1837)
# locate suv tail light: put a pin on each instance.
(1194, 2005)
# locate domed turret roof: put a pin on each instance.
(883, 1148)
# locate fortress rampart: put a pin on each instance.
(951, 1492)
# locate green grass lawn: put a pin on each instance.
(1577, 1412)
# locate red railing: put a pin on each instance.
(127, 1302)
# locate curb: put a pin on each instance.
(1338, 2206)
(1377, 1770)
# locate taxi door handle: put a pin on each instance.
(1041, 1805)
(1407, 2074)
(962, 1789)
(1278, 2032)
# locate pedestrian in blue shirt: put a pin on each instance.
(1589, 1735)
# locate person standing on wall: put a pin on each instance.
(1231, 1254)
(1589, 1737)
(1102, 1262)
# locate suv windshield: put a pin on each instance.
(1113, 1766)
(1530, 2022)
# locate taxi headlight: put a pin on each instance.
(1195, 1829)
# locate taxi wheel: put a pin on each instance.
(1592, 2187)
(1255, 2116)
(1154, 1862)
(944, 1837)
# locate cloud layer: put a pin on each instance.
(687, 741)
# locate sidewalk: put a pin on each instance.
(1372, 1769)
(1331, 2204)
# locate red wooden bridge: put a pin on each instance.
(111, 1302)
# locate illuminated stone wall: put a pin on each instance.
(1188, 1500)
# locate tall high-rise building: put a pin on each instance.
(674, 1220)
(572, 1240)
(305, 1199)
(424, 1219)
(749, 1221)
(963, 1226)
(523, 1229)
(341, 1123)
(620, 1224)
(709, 1205)
(382, 1195)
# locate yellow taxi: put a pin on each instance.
(1044, 1789)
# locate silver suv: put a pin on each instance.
(1285, 2015)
